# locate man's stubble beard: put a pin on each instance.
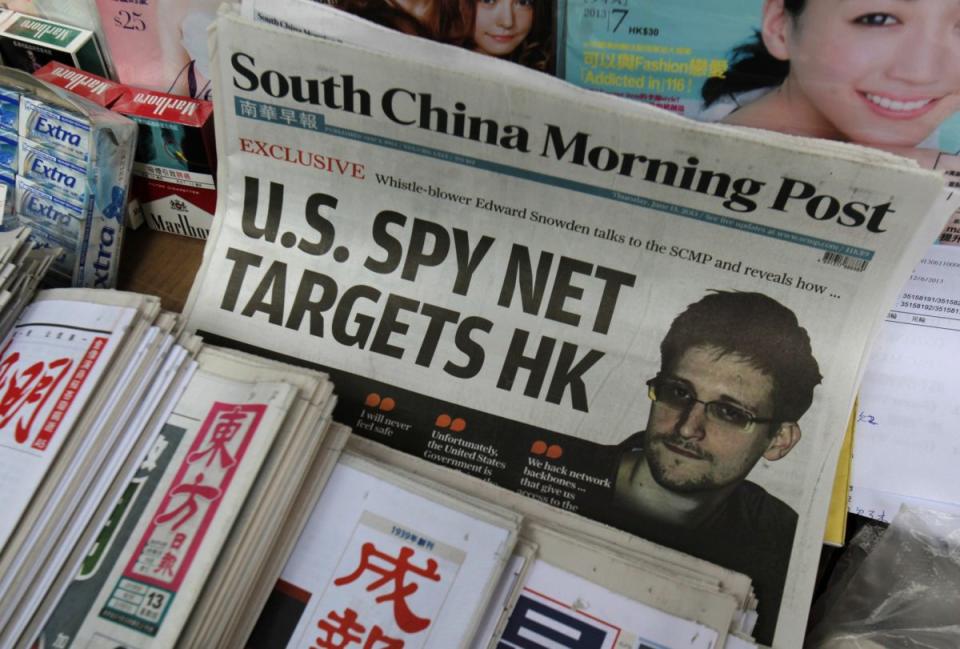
(659, 471)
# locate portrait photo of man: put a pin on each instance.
(736, 375)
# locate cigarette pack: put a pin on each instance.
(175, 167)
(28, 43)
(99, 90)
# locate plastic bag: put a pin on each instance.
(906, 592)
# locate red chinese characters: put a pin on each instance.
(394, 573)
(388, 577)
(189, 502)
(342, 631)
(177, 529)
(35, 396)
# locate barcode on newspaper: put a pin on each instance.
(844, 261)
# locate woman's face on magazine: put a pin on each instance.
(880, 72)
(501, 25)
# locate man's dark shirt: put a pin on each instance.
(751, 532)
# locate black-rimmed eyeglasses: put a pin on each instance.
(677, 395)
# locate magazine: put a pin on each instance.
(879, 74)
(653, 322)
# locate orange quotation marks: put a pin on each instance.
(386, 404)
(455, 425)
(552, 451)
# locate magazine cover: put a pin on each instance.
(873, 72)
(160, 44)
(521, 31)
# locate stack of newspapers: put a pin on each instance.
(148, 478)
(401, 550)
(86, 378)
(21, 269)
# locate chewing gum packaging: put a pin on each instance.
(28, 43)
(8, 221)
(59, 273)
(99, 90)
(50, 213)
(8, 150)
(74, 164)
(59, 174)
(175, 168)
(65, 132)
(9, 109)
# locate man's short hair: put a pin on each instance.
(761, 330)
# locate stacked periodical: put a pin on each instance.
(149, 477)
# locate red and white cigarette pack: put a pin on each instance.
(99, 90)
(174, 167)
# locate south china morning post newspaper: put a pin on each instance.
(487, 270)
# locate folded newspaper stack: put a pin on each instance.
(86, 378)
(399, 550)
(389, 558)
(591, 580)
(652, 322)
(21, 269)
(150, 479)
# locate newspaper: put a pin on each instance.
(486, 260)
(653, 577)
(51, 364)
(201, 513)
(147, 589)
(552, 604)
(121, 506)
(435, 556)
(129, 435)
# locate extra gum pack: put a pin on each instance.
(72, 175)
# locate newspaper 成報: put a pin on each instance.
(655, 323)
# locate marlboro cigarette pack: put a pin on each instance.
(175, 163)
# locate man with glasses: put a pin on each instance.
(736, 374)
